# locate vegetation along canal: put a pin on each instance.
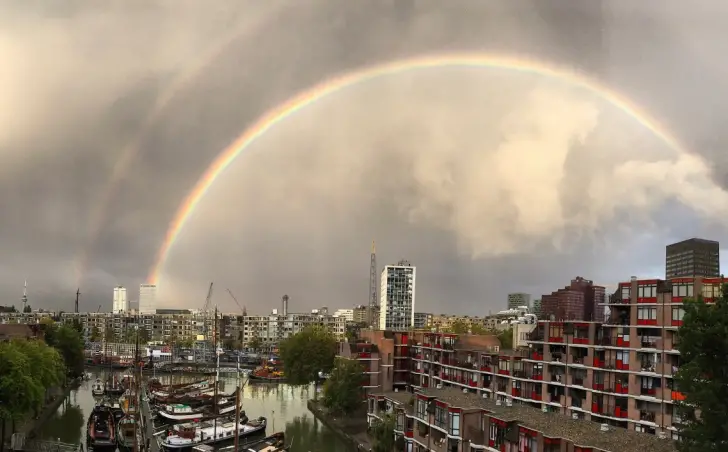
(283, 405)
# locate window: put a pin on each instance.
(626, 292)
(440, 417)
(455, 424)
(678, 313)
(622, 356)
(371, 405)
(711, 290)
(682, 290)
(421, 409)
(647, 291)
(647, 313)
(527, 443)
(497, 434)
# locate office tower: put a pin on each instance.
(120, 302)
(147, 298)
(516, 300)
(692, 258)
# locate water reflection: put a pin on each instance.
(283, 405)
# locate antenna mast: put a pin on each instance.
(372, 288)
(78, 294)
(25, 295)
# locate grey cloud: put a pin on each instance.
(297, 215)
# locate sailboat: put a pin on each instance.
(97, 389)
(128, 433)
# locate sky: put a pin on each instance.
(488, 180)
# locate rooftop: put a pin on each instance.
(552, 425)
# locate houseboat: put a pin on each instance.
(127, 433)
(273, 443)
(189, 435)
(181, 412)
(267, 374)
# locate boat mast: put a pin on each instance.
(136, 375)
(217, 374)
(237, 418)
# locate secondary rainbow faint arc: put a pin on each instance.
(336, 84)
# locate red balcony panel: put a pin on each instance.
(537, 356)
(491, 443)
(677, 323)
(409, 434)
(504, 372)
(425, 344)
(365, 355)
(486, 369)
(618, 388)
(596, 362)
(598, 386)
(595, 407)
(473, 383)
(620, 365)
(556, 339)
(677, 299)
(625, 389)
(647, 300)
(516, 392)
(424, 384)
(536, 396)
(538, 377)
(438, 345)
(624, 414)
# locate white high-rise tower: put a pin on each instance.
(147, 298)
(120, 302)
(397, 297)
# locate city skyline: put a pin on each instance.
(266, 158)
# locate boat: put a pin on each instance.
(182, 412)
(155, 385)
(97, 389)
(100, 429)
(272, 443)
(189, 435)
(113, 386)
(127, 433)
(268, 374)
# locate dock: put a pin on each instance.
(148, 423)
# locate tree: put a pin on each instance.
(342, 391)
(144, 335)
(458, 327)
(27, 309)
(69, 343)
(382, 431)
(353, 329)
(703, 375)
(307, 353)
(19, 391)
(95, 334)
(506, 339)
(255, 344)
(109, 335)
(231, 344)
(46, 365)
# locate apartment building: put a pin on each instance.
(384, 356)
(445, 322)
(577, 301)
(184, 324)
(423, 320)
(453, 420)
(397, 296)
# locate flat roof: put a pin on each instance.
(552, 425)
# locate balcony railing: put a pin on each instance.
(648, 416)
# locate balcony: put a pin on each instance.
(647, 416)
(649, 341)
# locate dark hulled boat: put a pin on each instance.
(100, 428)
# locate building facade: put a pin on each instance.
(692, 258)
(347, 314)
(173, 325)
(516, 300)
(147, 298)
(120, 303)
(423, 320)
(397, 297)
(577, 301)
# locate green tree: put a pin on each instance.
(95, 334)
(353, 329)
(46, 365)
(69, 343)
(27, 309)
(307, 353)
(255, 344)
(19, 391)
(144, 336)
(382, 432)
(342, 391)
(506, 339)
(703, 375)
(458, 327)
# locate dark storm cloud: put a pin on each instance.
(86, 77)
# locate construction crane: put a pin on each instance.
(204, 316)
(245, 312)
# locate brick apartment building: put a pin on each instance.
(450, 420)
(577, 301)
(616, 372)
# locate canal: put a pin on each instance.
(284, 406)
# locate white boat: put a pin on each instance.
(180, 412)
(97, 389)
(188, 435)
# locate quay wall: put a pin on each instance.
(354, 434)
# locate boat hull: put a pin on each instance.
(187, 446)
(267, 379)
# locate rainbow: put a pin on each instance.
(339, 83)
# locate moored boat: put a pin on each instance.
(268, 374)
(127, 433)
(113, 386)
(97, 388)
(189, 435)
(180, 412)
(100, 428)
(273, 443)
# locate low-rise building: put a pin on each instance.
(449, 419)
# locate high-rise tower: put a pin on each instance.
(371, 317)
(25, 295)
